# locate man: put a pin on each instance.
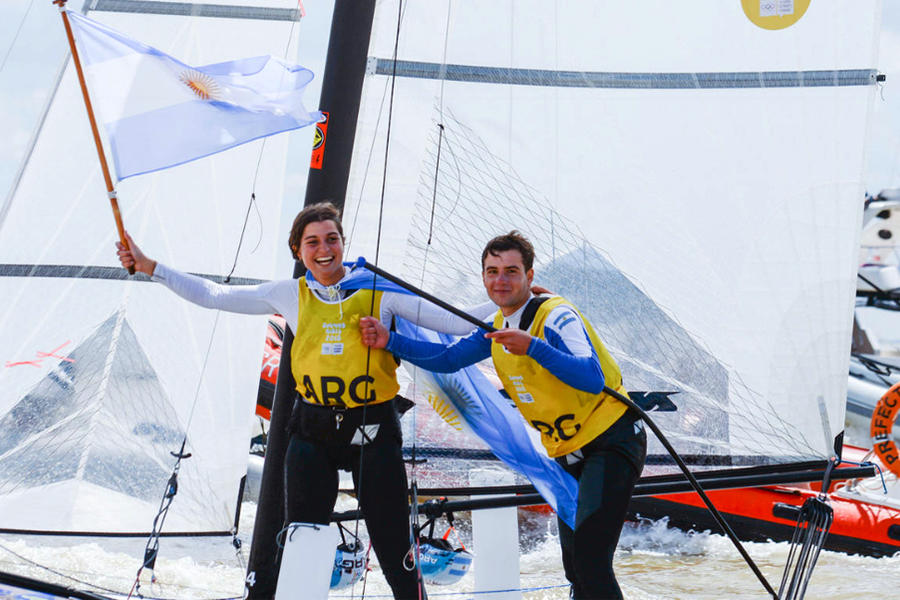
(554, 367)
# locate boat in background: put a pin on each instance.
(866, 511)
(866, 514)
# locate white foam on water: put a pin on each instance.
(653, 562)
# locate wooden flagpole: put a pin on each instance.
(110, 188)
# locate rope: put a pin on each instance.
(813, 524)
(16, 36)
(362, 446)
(151, 550)
(413, 555)
(252, 202)
(622, 398)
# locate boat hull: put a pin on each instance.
(860, 526)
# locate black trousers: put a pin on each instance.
(610, 466)
(318, 448)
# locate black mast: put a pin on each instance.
(345, 65)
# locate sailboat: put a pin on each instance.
(688, 172)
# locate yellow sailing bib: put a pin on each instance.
(328, 358)
(566, 417)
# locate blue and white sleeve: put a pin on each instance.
(438, 357)
(567, 352)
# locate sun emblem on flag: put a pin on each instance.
(201, 84)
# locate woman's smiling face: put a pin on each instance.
(322, 251)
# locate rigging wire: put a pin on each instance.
(413, 488)
(252, 203)
(369, 156)
(627, 401)
(414, 484)
(12, 44)
(880, 369)
(888, 300)
(387, 145)
(151, 550)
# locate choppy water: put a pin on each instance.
(653, 562)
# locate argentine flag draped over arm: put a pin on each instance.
(160, 112)
(499, 425)
(488, 414)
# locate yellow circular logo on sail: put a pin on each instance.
(204, 86)
(774, 14)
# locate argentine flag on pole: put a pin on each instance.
(160, 112)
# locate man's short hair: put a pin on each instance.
(510, 241)
(314, 213)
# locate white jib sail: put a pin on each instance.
(101, 378)
(690, 179)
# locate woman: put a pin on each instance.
(345, 414)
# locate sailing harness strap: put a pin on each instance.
(530, 311)
(621, 397)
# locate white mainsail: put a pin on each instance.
(691, 181)
(102, 378)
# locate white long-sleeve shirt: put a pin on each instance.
(282, 297)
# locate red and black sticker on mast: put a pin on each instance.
(318, 149)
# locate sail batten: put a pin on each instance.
(193, 9)
(100, 272)
(662, 81)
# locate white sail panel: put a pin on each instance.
(700, 205)
(103, 377)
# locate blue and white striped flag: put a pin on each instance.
(160, 112)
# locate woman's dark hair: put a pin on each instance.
(510, 241)
(314, 213)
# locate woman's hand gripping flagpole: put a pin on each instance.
(371, 332)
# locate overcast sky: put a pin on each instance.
(32, 46)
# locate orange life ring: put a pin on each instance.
(880, 429)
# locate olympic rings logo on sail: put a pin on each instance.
(774, 14)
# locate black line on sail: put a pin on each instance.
(96, 272)
(596, 79)
(190, 9)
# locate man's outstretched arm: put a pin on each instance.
(434, 357)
